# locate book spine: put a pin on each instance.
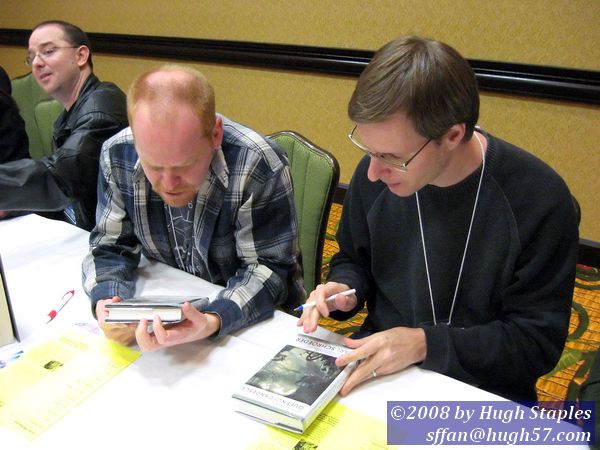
(318, 345)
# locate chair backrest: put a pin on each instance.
(27, 93)
(315, 175)
(46, 113)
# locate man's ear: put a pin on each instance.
(455, 135)
(83, 55)
(217, 133)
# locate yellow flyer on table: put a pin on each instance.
(52, 378)
(335, 428)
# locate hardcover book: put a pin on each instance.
(167, 307)
(295, 385)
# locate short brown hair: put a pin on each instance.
(73, 35)
(427, 80)
(192, 88)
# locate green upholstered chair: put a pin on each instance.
(28, 94)
(315, 175)
(46, 113)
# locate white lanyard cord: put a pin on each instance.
(462, 263)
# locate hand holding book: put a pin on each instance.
(122, 327)
(167, 307)
(196, 326)
(382, 353)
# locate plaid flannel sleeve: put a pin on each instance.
(266, 240)
(109, 267)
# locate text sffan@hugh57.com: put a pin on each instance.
(490, 423)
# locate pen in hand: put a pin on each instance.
(63, 301)
(328, 299)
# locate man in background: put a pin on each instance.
(462, 246)
(198, 192)
(60, 58)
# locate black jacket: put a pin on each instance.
(69, 176)
(14, 143)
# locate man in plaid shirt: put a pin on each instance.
(199, 192)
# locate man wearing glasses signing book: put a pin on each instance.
(461, 246)
(64, 184)
(198, 192)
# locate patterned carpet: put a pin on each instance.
(584, 330)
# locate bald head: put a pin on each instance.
(166, 89)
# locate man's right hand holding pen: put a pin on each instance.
(380, 353)
(310, 316)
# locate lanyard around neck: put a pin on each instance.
(466, 243)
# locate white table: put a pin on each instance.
(176, 397)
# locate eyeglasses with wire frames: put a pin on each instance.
(387, 158)
(45, 54)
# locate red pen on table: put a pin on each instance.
(63, 301)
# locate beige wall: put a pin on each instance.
(553, 32)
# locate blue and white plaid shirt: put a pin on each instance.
(245, 227)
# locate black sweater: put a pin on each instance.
(512, 310)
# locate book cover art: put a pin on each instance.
(297, 373)
(295, 384)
